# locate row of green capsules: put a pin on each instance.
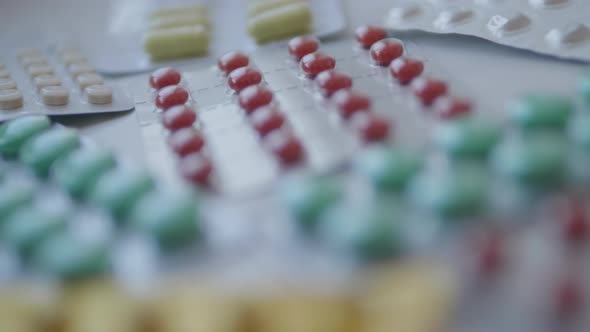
(476, 169)
(64, 203)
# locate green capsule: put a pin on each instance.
(467, 137)
(457, 192)
(14, 195)
(584, 87)
(541, 111)
(79, 171)
(67, 256)
(370, 232)
(537, 160)
(43, 150)
(388, 169)
(579, 131)
(172, 218)
(308, 198)
(27, 227)
(119, 190)
(13, 134)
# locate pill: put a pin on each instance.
(14, 133)
(315, 63)
(10, 99)
(78, 172)
(253, 97)
(490, 253)
(452, 17)
(568, 297)
(171, 217)
(568, 35)
(67, 256)
(501, 25)
(41, 151)
(388, 169)
(196, 168)
(405, 12)
(42, 81)
(457, 192)
(372, 128)
(367, 35)
(55, 95)
(467, 138)
(4, 73)
(170, 96)
(99, 94)
(179, 42)
(360, 231)
(405, 69)
(76, 69)
(7, 84)
(29, 226)
(349, 102)
(447, 107)
(281, 22)
(88, 79)
(180, 20)
(330, 81)
(307, 198)
(29, 52)
(243, 77)
(119, 189)
(428, 89)
(231, 61)
(537, 159)
(164, 77)
(14, 195)
(584, 87)
(33, 60)
(179, 116)
(36, 70)
(541, 111)
(70, 58)
(384, 51)
(185, 141)
(267, 119)
(303, 45)
(285, 146)
(574, 222)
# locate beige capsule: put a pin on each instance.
(36, 70)
(42, 81)
(55, 95)
(7, 83)
(99, 94)
(79, 68)
(88, 79)
(4, 73)
(10, 99)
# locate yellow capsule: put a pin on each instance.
(278, 23)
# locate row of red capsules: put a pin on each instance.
(179, 116)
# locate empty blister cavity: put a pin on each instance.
(505, 25)
(569, 35)
(404, 12)
(452, 17)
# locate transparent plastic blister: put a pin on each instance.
(556, 27)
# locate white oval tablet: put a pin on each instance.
(88, 79)
(55, 95)
(10, 99)
(4, 74)
(36, 70)
(33, 60)
(7, 83)
(81, 68)
(99, 94)
(42, 81)
(69, 58)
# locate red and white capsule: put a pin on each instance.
(253, 97)
(171, 96)
(367, 35)
(231, 61)
(164, 77)
(349, 102)
(185, 141)
(384, 51)
(179, 116)
(428, 89)
(267, 119)
(302, 46)
(315, 63)
(243, 77)
(405, 69)
(330, 81)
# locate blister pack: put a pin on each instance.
(59, 82)
(555, 27)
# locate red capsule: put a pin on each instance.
(196, 168)
(575, 224)
(404, 70)
(285, 146)
(428, 89)
(253, 97)
(349, 102)
(243, 77)
(386, 50)
(179, 116)
(315, 63)
(490, 253)
(267, 119)
(185, 141)
(371, 127)
(568, 297)
(231, 61)
(447, 107)
(302, 46)
(164, 77)
(171, 96)
(367, 35)
(330, 81)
